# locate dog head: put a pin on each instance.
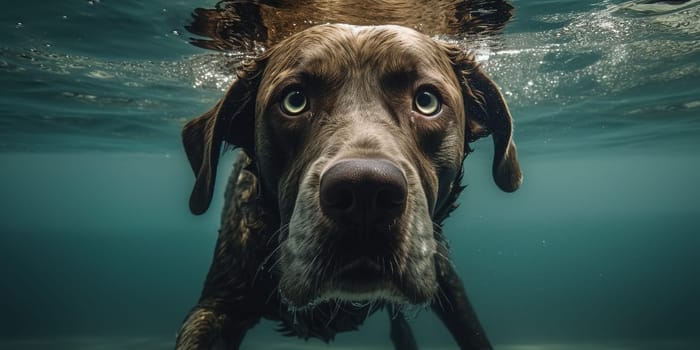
(357, 135)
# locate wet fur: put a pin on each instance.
(270, 261)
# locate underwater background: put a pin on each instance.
(599, 249)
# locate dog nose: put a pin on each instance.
(363, 192)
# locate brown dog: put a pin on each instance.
(352, 144)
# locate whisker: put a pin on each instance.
(265, 261)
(394, 311)
(396, 262)
(277, 233)
(272, 292)
(274, 263)
(371, 308)
(440, 296)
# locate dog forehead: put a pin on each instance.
(335, 49)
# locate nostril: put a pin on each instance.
(389, 199)
(340, 199)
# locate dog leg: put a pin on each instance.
(456, 312)
(230, 304)
(400, 333)
(207, 328)
(225, 310)
(224, 313)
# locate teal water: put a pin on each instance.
(598, 250)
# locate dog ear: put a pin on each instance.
(231, 120)
(487, 114)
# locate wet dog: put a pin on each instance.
(352, 140)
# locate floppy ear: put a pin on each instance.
(487, 114)
(231, 120)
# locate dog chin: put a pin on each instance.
(353, 297)
(362, 298)
(354, 286)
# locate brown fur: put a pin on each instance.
(276, 256)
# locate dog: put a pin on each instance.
(351, 143)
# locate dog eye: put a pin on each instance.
(294, 102)
(427, 103)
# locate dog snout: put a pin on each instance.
(363, 192)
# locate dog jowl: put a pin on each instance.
(355, 138)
